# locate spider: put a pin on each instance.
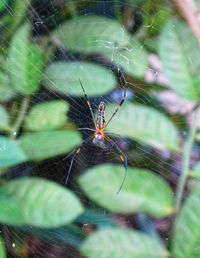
(99, 136)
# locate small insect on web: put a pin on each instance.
(99, 136)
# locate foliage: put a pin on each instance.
(11, 154)
(4, 123)
(63, 77)
(112, 242)
(176, 49)
(147, 125)
(29, 193)
(41, 145)
(2, 248)
(186, 234)
(138, 194)
(6, 91)
(47, 116)
(24, 63)
(43, 116)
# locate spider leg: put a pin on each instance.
(120, 104)
(86, 128)
(123, 159)
(76, 150)
(71, 165)
(88, 102)
(115, 134)
(71, 152)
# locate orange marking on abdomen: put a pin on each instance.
(122, 158)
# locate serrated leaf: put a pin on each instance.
(145, 124)
(181, 59)
(96, 33)
(4, 118)
(47, 115)
(6, 92)
(24, 62)
(142, 190)
(43, 203)
(2, 248)
(10, 153)
(63, 77)
(48, 144)
(120, 243)
(132, 58)
(187, 229)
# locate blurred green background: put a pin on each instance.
(149, 47)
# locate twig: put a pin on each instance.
(186, 160)
(20, 118)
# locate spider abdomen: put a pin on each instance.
(100, 123)
(99, 138)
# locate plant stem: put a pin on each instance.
(186, 160)
(20, 118)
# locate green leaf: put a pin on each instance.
(132, 58)
(2, 248)
(6, 92)
(187, 229)
(145, 124)
(92, 34)
(196, 171)
(154, 18)
(142, 190)
(18, 12)
(47, 115)
(10, 211)
(44, 145)
(10, 153)
(3, 4)
(119, 243)
(24, 62)
(104, 35)
(63, 77)
(4, 118)
(181, 59)
(43, 203)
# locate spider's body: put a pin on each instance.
(100, 126)
(99, 136)
(100, 123)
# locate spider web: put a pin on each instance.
(138, 154)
